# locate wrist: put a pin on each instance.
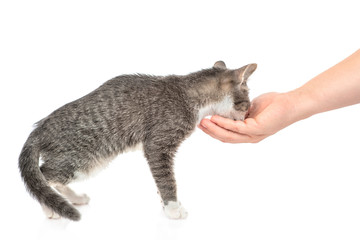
(302, 103)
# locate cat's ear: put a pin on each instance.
(245, 72)
(220, 65)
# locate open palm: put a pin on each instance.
(268, 114)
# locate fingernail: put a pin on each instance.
(203, 123)
(214, 117)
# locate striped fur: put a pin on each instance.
(157, 112)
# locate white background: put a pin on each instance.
(302, 183)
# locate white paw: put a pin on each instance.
(174, 210)
(80, 200)
(50, 213)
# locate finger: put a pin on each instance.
(227, 123)
(236, 138)
(247, 127)
(219, 134)
(205, 130)
(222, 134)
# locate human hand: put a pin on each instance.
(268, 114)
(337, 87)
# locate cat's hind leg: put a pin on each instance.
(50, 213)
(74, 198)
(58, 180)
(70, 195)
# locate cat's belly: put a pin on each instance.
(136, 147)
(100, 163)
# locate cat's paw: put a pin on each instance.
(50, 213)
(174, 210)
(80, 200)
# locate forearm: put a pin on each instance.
(337, 87)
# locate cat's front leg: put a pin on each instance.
(175, 210)
(161, 166)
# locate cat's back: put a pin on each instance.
(133, 89)
(111, 98)
(124, 102)
(109, 110)
(107, 121)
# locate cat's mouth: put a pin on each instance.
(247, 114)
(239, 116)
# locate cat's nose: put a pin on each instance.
(240, 117)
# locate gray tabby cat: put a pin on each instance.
(156, 112)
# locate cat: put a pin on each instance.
(154, 111)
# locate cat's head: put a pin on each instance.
(233, 83)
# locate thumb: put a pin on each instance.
(251, 127)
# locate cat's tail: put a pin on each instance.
(36, 183)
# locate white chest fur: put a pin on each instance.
(223, 108)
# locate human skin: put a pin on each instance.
(337, 87)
